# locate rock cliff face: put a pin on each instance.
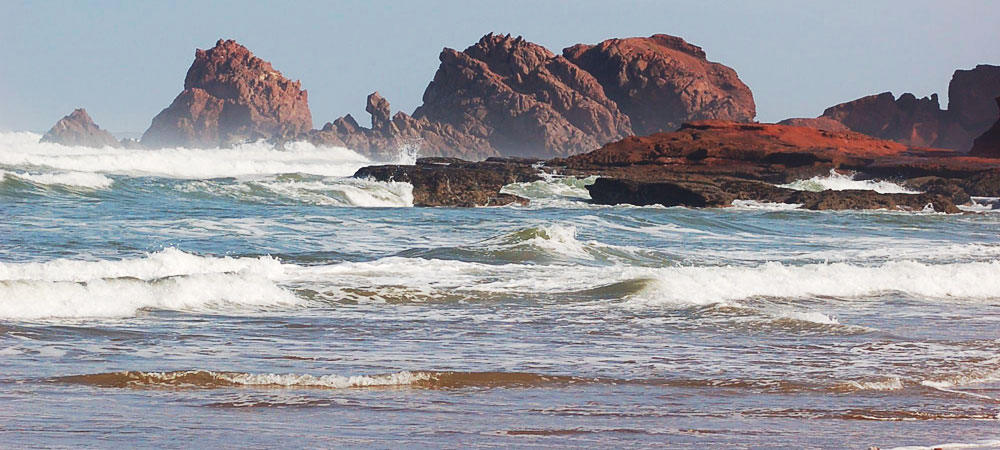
(230, 96)
(522, 99)
(713, 163)
(507, 96)
(388, 137)
(908, 120)
(731, 148)
(970, 97)
(454, 182)
(79, 129)
(988, 145)
(662, 81)
(819, 123)
(922, 122)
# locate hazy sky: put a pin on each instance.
(125, 60)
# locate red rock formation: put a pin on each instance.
(662, 81)
(388, 138)
(521, 99)
(716, 143)
(711, 163)
(922, 122)
(988, 145)
(230, 96)
(970, 99)
(908, 120)
(509, 96)
(79, 129)
(819, 123)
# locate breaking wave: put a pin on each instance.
(301, 173)
(706, 285)
(553, 191)
(300, 189)
(251, 159)
(81, 180)
(840, 182)
(205, 379)
(170, 279)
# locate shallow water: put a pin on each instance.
(254, 297)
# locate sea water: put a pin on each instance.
(260, 297)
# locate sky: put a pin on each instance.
(125, 60)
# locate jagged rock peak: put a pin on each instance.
(378, 107)
(230, 96)
(78, 128)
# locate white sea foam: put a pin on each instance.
(328, 191)
(982, 204)
(553, 191)
(678, 285)
(165, 280)
(953, 446)
(955, 382)
(208, 378)
(557, 240)
(768, 206)
(839, 182)
(705, 285)
(885, 384)
(166, 263)
(253, 159)
(85, 180)
(810, 316)
(172, 279)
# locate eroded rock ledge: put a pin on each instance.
(455, 182)
(713, 163)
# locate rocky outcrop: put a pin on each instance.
(712, 163)
(702, 191)
(819, 123)
(970, 98)
(988, 144)
(231, 96)
(774, 153)
(508, 96)
(389, 137)
(79, 129)
(662, 81)
(454, 182)
(522, 99)
(922, 122)
(908, 120)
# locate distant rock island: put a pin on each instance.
(231, 96)
(503, 96)
(506, 96)
(921, 122)
(653, 117)
(78, 128)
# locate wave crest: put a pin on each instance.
(839, 182)
(169, 279)
(205, 379)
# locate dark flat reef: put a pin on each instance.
(652, 117)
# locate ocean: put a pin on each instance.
(254, 297)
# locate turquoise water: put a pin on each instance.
(251, 297)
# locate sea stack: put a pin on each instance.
(921, 122)
(988, 144)
(231, 96)
(79, 129)
(507, 96)
(662, 81)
